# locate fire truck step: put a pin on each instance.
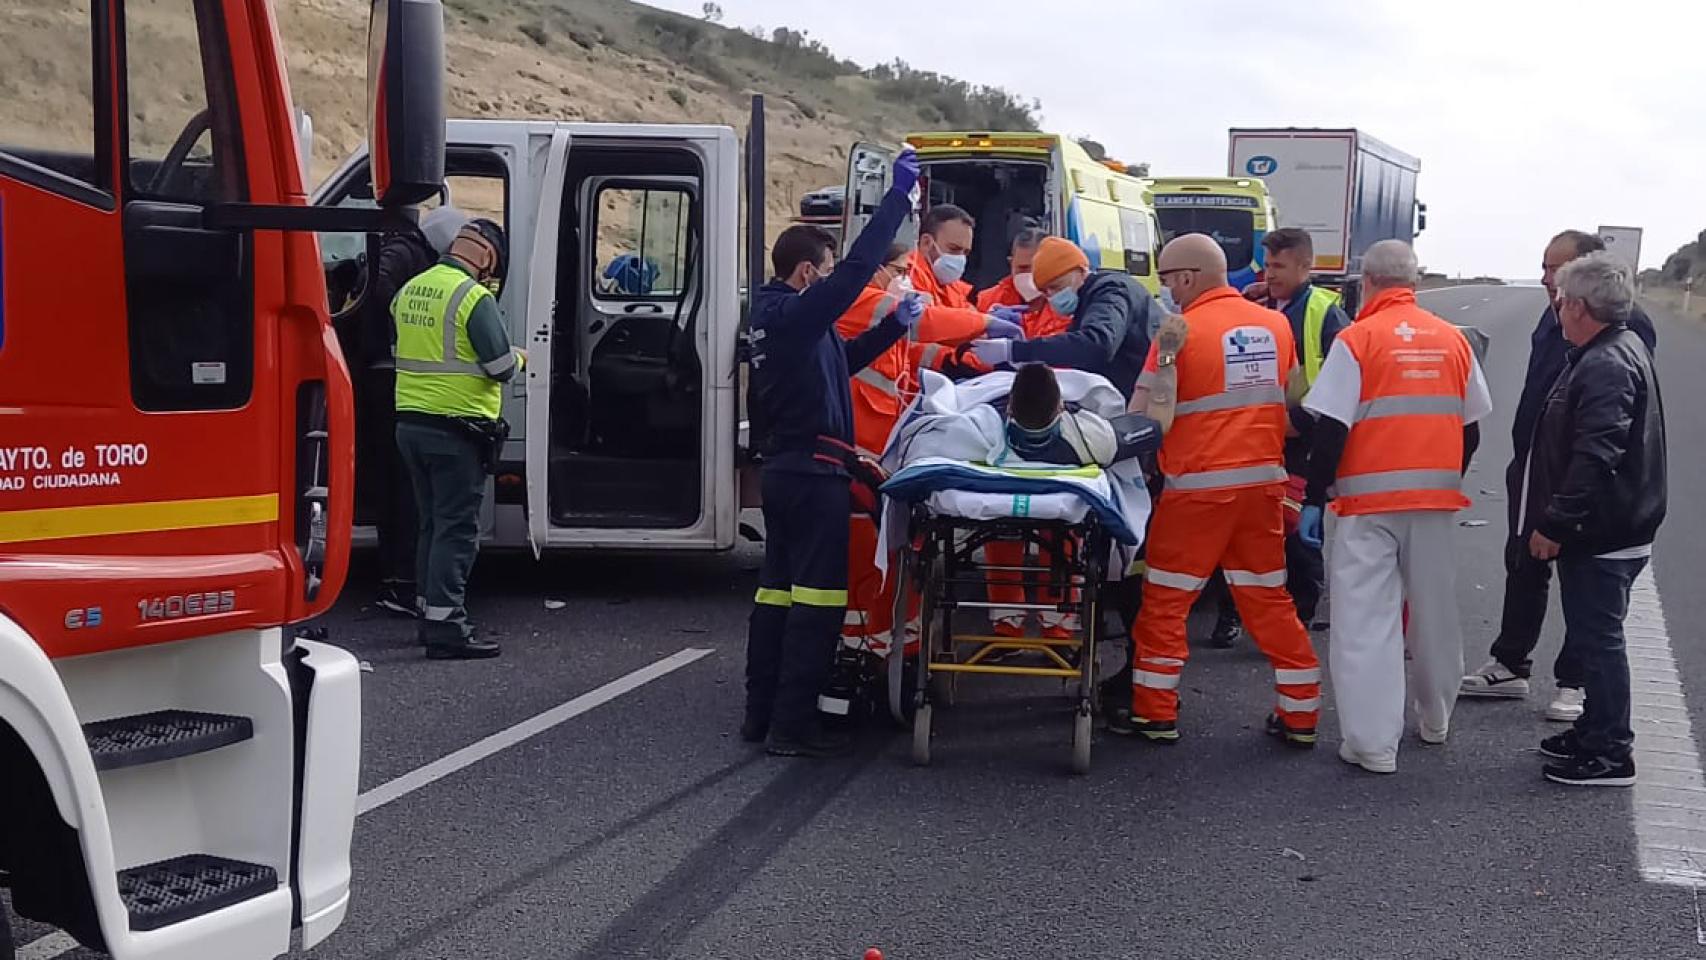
(163, 735)
(182, 888)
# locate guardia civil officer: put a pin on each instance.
(453, 355)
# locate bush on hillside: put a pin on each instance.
(958, 104)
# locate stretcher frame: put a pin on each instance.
(941, 563)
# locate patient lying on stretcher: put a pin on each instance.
(1040, 429)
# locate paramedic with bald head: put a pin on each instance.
(1221, 394)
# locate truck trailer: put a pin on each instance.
(1346, 188)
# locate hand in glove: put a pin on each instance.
(995, 353)
(906, 171)
(1309, 526)
(911, 308)
(1010, 314)
(999, 329)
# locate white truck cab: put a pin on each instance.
(623, 289)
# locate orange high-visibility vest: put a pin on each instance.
(883, 389)
(1230, 413)
(1405, 449)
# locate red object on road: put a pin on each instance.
(873, 954)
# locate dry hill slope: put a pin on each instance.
(605, 60)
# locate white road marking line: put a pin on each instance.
(1670, 789)
(504, 739)
(57, 944)
(47, 947)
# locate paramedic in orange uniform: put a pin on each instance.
(1222, 400)
(1019, 289)
(944, 241)
(880, 392)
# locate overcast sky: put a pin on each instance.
(1528, 116)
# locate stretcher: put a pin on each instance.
(1083, 523)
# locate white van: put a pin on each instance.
(624, 247)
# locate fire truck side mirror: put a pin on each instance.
(405, 100)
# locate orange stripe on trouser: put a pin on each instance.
(1241, 530)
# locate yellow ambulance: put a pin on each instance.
(1007, 179)
(1236, 211)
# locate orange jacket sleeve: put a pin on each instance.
(951, 325)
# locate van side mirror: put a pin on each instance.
(405, 100)
(1421, 217)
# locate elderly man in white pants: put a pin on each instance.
(1398, 396)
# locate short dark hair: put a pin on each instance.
(1585, 243)
(1028, 237)
(800, 243)
(945, 213)
(895, 251)
(1290, 238)
(1034, 400)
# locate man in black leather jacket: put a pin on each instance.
(1528, 581)
(1595, 500)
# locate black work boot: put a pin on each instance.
(449, 640)
(1293, 737)
(812, 741)
(1227, 629)
(756, 725)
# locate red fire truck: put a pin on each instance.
(178, 764)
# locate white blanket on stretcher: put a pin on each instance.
(956, 425)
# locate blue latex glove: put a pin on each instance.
(1010, 314)
(910, 309)
(995, 353)
(906, 171)
(1309, 526)
(1000, 329)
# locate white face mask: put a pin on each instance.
(949, 267)
(1026, 284)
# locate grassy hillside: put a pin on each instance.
(612, 60)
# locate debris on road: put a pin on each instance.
(364, 666)
(555, 604)
(1471, 523)
(1294, 854)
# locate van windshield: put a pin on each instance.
(1233, 227)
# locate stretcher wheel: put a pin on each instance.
(1081, 726)
(921, 736)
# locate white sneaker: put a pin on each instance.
(1371, 764)
(1431, 736)
(1566, 707)
(1494, 680)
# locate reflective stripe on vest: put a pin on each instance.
(1399, 481)
(1408, 405)
(871, 378)
(1321, 300)
(1231, 400)
(1405, 447)
(438, 370)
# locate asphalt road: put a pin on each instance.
(643, 827)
